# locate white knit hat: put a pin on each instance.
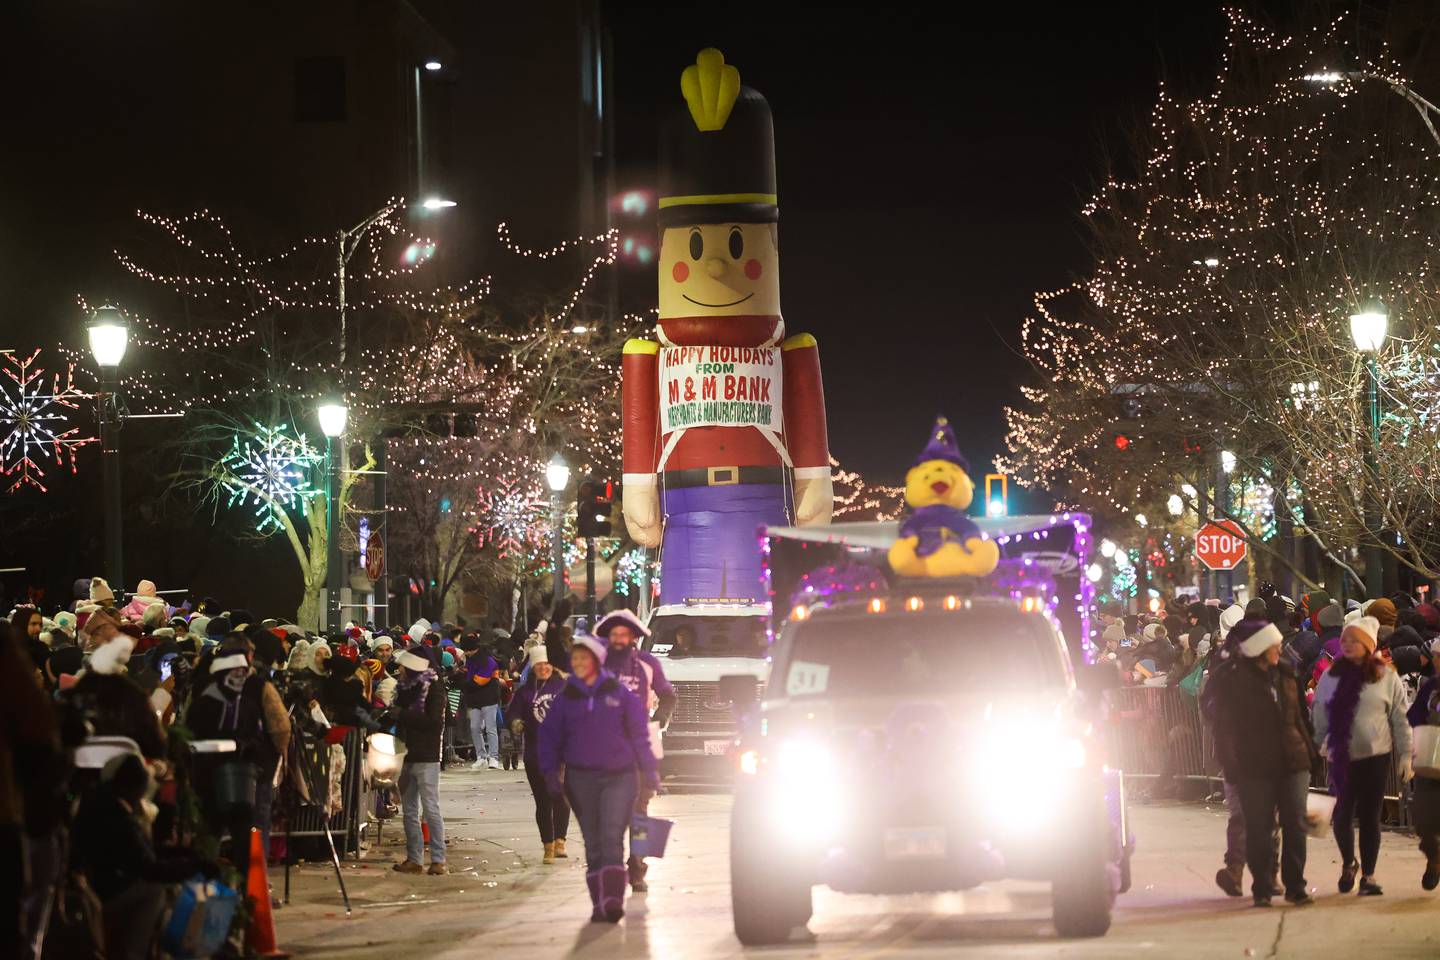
(539, 655)
(1230, 616)
(1364, 629)
(232, 662)
(1261, 640)
(410, 661)
(617, 618)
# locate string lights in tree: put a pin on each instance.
(1215, 317)
(36, 421)
(270, 470)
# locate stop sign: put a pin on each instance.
(1220, 545)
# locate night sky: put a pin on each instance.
(931, 167)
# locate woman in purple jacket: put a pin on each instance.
(595, 746)
(527, 712)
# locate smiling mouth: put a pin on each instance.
(701, 303)
(940, 487)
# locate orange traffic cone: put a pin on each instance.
(261, 935)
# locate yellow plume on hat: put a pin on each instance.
(710, 86)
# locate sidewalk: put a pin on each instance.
(493, 851)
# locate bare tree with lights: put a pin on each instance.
(1214, 330)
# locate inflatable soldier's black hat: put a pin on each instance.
(717, 158)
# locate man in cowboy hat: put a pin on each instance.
(641, 673)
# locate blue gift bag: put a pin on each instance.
(201, 919)
(648, 835)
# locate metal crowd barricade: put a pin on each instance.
(349, 823)
(1158, 733)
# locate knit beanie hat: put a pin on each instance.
(1330, 615)
(1316, 600)
(100, 590)
(412, 660)
(1383, 609)
(145, 588)
(1276, 611)
(1116, 632)
(1255, 636)
(65, 620)
(1365, 630)
(1256, 609)
(153, 616)
(199, 625)
(1230, 617)
(1155, 631)
(539, 655)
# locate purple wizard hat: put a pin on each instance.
(941, 446)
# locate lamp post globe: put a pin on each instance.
(557, 474)
(1368, 329)
(109, 336)
(333, 417)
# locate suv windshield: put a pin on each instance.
(919, 653)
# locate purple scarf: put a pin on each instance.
(1343, 706)
(409, 680)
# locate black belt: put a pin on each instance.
(721, 476)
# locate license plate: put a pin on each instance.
(915, 843)
(717, 748)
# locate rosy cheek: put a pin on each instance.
(752, 269)
(681, 272)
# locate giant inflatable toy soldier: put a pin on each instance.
(724, 416)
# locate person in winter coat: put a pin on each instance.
(642, 674)
(419, 714)
(1262, 737)
(240, 705)
(1359, 720)
(481, 700)
(527, 711)
(1331, 621)
(143, 599)
(112, 846)
(595, 747)
(1425, 711)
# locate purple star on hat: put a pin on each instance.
(941, 446)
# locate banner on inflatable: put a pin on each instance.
(720, 387)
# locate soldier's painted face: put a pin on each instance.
(719, 270)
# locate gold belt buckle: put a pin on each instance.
(722, 476)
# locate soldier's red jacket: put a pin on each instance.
(803, 439)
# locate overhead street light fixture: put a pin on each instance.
(434, 65)
(437, 203)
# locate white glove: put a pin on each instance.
(814, 500)
(641, 505)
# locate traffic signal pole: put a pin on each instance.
(590, 579)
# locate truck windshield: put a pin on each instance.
(682, 637)
(961, 652)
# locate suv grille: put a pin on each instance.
(697, 707)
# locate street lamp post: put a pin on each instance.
(1368, 329)
(557, 477)
(332, 423)
(1328, 78)
(109, 336)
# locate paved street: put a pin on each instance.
(501, 897)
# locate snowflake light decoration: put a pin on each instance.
(630, 571)
(35, 422)
(512, 519)
(270, 470)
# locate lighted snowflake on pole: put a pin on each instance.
(512, 519)
(630, 571)
(269, 469)
(36, 422)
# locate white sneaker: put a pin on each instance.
(494, 764)
(478, 765)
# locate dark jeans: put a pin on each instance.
(603, 801)
(552, 815)
(1427, 815)
(1235, 829)
(264, 800)
(1363, 796)
(1260, 800)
